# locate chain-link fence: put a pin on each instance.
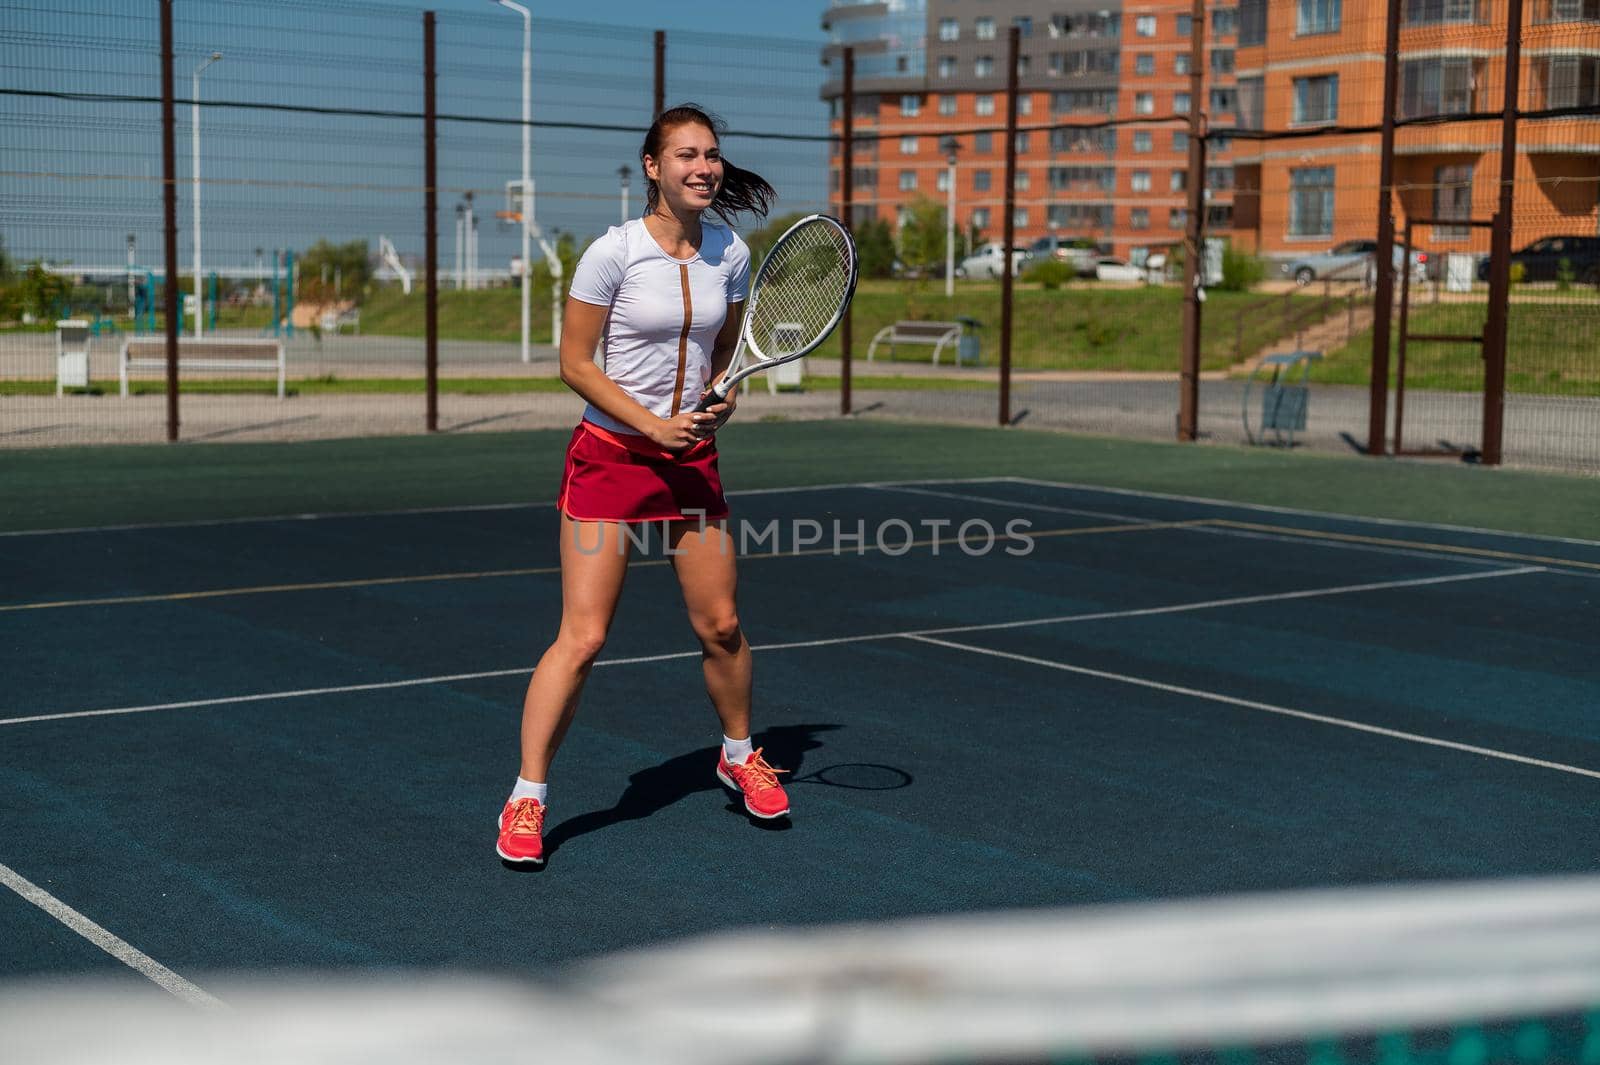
(300, 189)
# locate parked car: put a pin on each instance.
(1079, 253)
(1541, 260)
(988, 261)
(1350, 261)
(1107, 268)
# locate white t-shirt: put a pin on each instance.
(665, 312)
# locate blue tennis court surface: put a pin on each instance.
(281, 744)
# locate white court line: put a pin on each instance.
(1210, 604)
(1201, 526)
(465, 508)
(1142, 494)
(1285, 711)
(113, 945)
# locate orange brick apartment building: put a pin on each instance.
(1280, 66)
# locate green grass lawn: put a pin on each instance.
(1553, 349)
(1077, 327)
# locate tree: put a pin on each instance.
(875, 248)
(762, 240)
(346, 264)
(922, 236)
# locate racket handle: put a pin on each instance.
(710, 399)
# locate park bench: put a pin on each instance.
(200, 353)
(939, 334)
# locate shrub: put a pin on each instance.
(1564, 275)
(1519, 273)
(1241, 271)
(1049, 274)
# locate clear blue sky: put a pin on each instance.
(767, 18)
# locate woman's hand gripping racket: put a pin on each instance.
(797, 297)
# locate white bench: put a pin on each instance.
(150, 353)
(939, 334)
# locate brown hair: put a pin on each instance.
(740, 191)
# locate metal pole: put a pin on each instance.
(1013, 42)
(1498, 329)
(847, 162)
(461, 226)
(1194, 234)
(1403, 342)
(169, 209)
(661, 75)
(194, 139)
(525, 201)
(430, 224)
(623, 174)
(950, 221)
(132, 241)
(1383, 264)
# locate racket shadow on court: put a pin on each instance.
(658, 787)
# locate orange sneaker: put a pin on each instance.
(521, 825)
(757, 783)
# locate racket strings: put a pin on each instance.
(801, 289)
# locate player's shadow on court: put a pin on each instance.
(654, 789)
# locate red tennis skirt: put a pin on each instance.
(628, 477)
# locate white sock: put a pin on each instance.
(527, 789)
(738, 751)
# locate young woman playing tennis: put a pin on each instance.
(664, 293)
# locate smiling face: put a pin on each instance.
(689, 168)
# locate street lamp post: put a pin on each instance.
(525, 207)
(951, 146)
(623, 174)
(194, 97)
(461, 223)
(132, 240)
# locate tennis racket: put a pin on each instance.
(798, 296)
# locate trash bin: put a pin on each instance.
(72, 354)
(968, 348)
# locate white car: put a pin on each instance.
(1109, 269)
(988, 261)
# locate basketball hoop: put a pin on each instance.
(508, 219)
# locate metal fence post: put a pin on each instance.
(1498, 331)
(169, 208)
(847, 162)
(1383, 293)
(1193, 234)
(1013, 39)
(430, 221)
(661, 75)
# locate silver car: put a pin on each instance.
(1350, 261)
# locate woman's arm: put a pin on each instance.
(580, 334)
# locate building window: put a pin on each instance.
(947, 104)
(1222, 61)
(1569, 11)
(1083, 141)
(1079, 216)
(1142, 141)
(1180, 103)
(1440, 86)
(1144, 103)
(1024, 25)
(1083, 178)
(1427, 12)
(1180, 140)
(1022, 142)
(1452, 198)
(908, 180)
(1224, 101)
(1019, 217)
(947, 66)
(1139, 181)
(983, 28)
(1177, 218)
(1572, 81)
(983, 104)
(1220, 216)
(981, 180)
(1178, 180)
(1252, 22)
(1224, 21)
(983, 143)
(1081, 100)
(941, 180)
(1316, 99)
(1144, 63)
(1185, 25)
(1024, 64)
(1311, 202)
(1316, 16)
(1219, 178)
(983, 66)
(1025, 103)
(1023, 181)
(1219, 142)
(980, 218)
(1139, 218)
(1251, 112)
(1144, 26)
(908, 146)
(1180, 63)
(949, 29)
(910, 105)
